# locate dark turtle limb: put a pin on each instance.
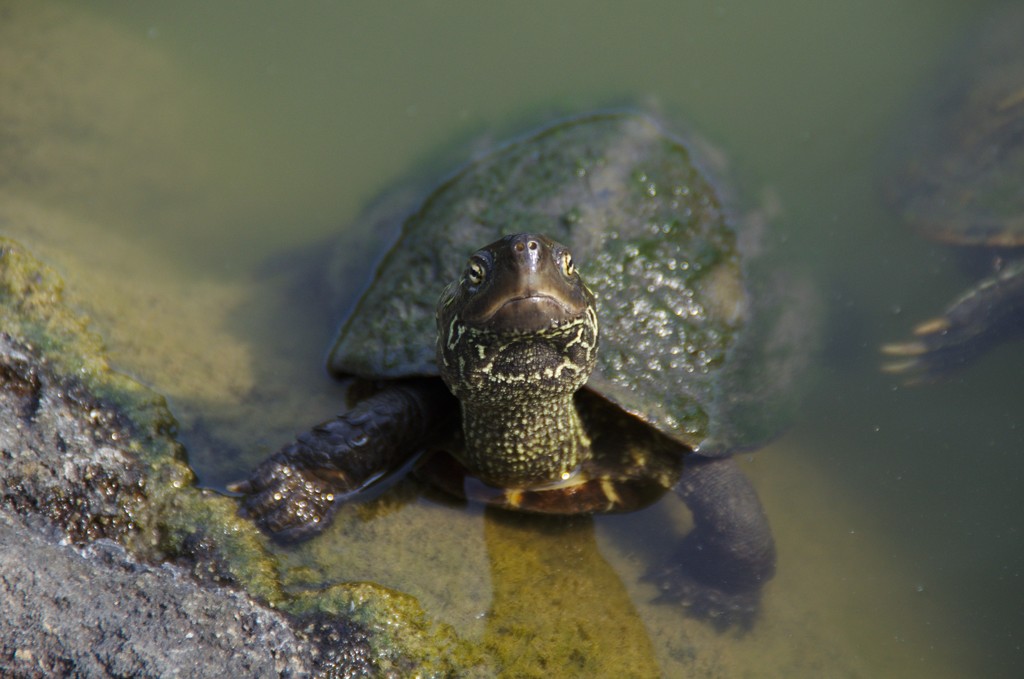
(989, 312)
(726, 559)
(292, 494)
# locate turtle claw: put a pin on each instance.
(240, 487)
(933, 326)
(904, 349)
(910, 366)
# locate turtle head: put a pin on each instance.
(519, 322)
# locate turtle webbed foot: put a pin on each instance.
(288, 502)
(706, 593)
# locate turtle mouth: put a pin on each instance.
(529, 313)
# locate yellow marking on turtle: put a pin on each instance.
(556, 372)
(638, 456)
(608, 488)
(581, 325)
(455, 331)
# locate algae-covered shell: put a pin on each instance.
(651, 239)
(963, 182)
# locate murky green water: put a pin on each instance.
(180, 161)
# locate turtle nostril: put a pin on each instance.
(532, 245)
(519, 247)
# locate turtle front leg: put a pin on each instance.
(724, 562)
(987, 313)
(293, 493)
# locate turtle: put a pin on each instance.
(601, 333)
(961, 182)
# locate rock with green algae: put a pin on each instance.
(91, 449)
(403, 640)
(88, 457)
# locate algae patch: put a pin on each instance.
(557, 602)
(399, 630)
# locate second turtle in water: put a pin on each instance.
(963, 184)
(502, 386)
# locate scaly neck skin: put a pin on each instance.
(524, 443)
(517, 337)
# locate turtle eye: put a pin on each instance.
(475, 271)
(568, 267)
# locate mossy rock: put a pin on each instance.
(95, 452)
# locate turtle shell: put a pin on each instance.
(964, 180)
(649, 236)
